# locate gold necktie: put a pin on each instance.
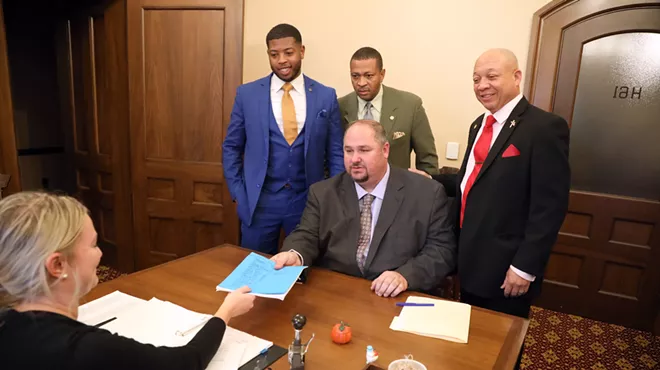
(289, 115)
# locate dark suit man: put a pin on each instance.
(284, 129)
(511, 191)
(375, 221)
(401, 113)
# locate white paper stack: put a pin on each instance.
(444, 320)
(163, 323)
(106, 307)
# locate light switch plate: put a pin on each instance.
(452, 151)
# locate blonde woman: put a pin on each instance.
(48, 260)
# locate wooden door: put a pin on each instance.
(185, 61)
(597, 65)
(8, 153)
(93, 79)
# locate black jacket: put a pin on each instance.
(517, 204)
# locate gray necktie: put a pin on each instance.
(365, 230)
(367, 113)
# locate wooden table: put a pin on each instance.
(325, 299)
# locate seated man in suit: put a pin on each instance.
(375, 221)
(401, 113)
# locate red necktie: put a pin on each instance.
(480, 153)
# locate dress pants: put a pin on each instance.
(276, 210)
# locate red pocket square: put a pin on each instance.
(511, 151)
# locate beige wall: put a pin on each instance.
(428, 47)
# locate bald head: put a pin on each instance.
(503, 56)
(496, 78)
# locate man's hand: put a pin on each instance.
(286, 259)
(514, 285)
(389, 284)
(419, 172)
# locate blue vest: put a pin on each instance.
(286, 163)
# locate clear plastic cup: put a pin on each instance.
(406, 363)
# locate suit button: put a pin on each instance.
(258, 185)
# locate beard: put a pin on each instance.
(360, 178)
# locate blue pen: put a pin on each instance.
(403, 304)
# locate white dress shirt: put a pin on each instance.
(297, 94)
(500, 119)
(379, 195)
(376, 106)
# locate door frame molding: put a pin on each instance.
(542, 73)
(118, 163)
(548, 25)
(8, 153)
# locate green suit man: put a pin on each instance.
(399, 112)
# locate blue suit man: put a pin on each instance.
(285, 129)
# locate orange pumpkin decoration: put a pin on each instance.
(341, 333)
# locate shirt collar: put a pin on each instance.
(298, 83)
(504, 112)
(376, 102)
(379, 190)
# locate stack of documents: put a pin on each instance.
(106, 307)
(444, 320)
(258, 273)
(163, 323)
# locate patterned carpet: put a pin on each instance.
(559, 341)
(106, 273)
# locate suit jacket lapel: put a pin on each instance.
(350, 114)
(504, 135)
(348, 196)
(265, 109)
(388, 211)
(474, 129)
(390, 104)
(310, 118)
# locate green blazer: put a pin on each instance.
(406, 126)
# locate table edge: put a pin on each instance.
(508, 355)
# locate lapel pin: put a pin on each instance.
(513, 124)
(391, 118)
(474, 127)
